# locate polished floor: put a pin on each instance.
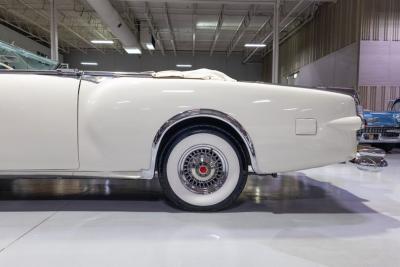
(331, 216)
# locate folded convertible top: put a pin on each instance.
(202, 74)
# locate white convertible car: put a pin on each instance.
(199, 132)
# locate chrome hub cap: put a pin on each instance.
(203, 169)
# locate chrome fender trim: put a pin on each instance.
(149, 173)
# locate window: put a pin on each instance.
(396, 106)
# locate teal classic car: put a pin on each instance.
(382, 129)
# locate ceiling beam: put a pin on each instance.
(87, 18)
(153, 29)
(240, 31)
(169, 25)
(282, 25)
(31, 21)
(66, 27)
(311, 15)
(217, 29)
(131, 17)
(292, 32)
(29, 34)
(194, 22)
(5, 19)
(53, 30)
(111, 18)
(275, 42)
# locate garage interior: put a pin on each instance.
(336, 215)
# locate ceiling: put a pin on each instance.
(190, 26)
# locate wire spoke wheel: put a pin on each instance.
(203, 169)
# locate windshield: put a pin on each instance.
(396, 106)
(4, 67)
(21, 59)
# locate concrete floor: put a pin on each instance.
(331, 216)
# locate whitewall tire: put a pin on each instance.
(202, 170)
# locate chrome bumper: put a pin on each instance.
(379, 139)
(373, 135)
(370, 159)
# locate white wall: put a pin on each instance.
(338, 69)
(9, 36)
(232, 65)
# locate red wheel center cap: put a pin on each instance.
(203, 169)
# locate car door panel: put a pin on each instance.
(38, 118)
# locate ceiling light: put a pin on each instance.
(206, 24)
(132, 50)
(102, 41)
(150, 46)
(178, 91)
(89, 63)
(262, 101)
(183, 65)
(255, 45)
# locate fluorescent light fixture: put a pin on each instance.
(183, 65)
(262, 101)
(213, 24)
(206, 24)
(178, 91)
(132, 50)
(89, 63)
(255, 45)
(150, 46)
(102, 41)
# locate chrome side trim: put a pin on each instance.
(99, 76)
(70, 174)
(109, 174)
(92, 76)
(35, 173)
(149, 173)
(58, 72)
(118, 74)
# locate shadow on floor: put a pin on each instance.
(289, 193)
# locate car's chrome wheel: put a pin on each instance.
(202, 170)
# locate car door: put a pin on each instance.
(38, 120)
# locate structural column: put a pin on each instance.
(53, 30)
(275, 45)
